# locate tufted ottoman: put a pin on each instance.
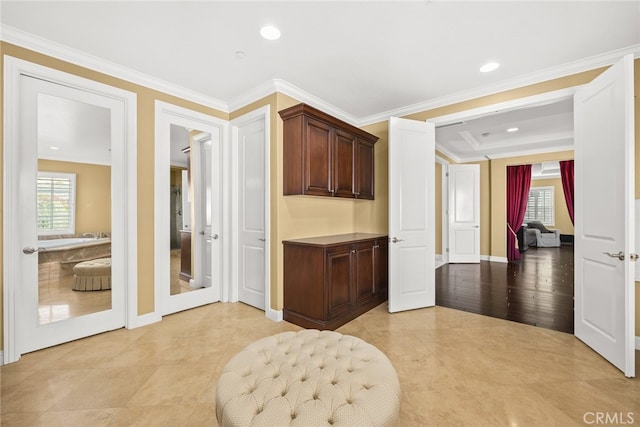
(308, 378)
(94, 275)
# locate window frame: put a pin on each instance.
(552, 189)
(72, 202)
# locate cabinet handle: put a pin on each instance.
(376, 247)
(353, 251)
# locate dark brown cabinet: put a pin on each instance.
(324, 156)
(330, 280)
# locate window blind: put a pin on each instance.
(540, 205)
(55, 203)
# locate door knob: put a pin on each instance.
(394, 240)
(262, 239)
(28, 250)
(214, 236)
(619, 255)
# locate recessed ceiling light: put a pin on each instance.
(54, 147)
(240, 54)
(270, 32)
(488, 67)
(513, 130)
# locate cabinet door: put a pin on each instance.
(364, 272)
(343, 165)
(339, 279)
(381, 269)
(317, 152)
(364, 181)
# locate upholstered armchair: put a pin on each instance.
(540, 236)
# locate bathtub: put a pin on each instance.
(73, 249)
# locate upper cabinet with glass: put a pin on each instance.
(324, 156)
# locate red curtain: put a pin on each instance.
(566, 174)
(518, 183)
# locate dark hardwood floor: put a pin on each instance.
(537, 290)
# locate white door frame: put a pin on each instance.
(126, 186)
(165, 115)
(231, 293)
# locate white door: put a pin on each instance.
(411, 214)
(205, 230)
(206, 208)
(464, 213)
(251, 146)
(204, 186)
(604, 221)
(34, 333)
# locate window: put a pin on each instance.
(540, 205)
(56, 199)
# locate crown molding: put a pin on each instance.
(286, 88)
(567, 69)
(77, 57)
(531, 152)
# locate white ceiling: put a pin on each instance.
(366, 60)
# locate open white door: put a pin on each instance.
(604, 219)
(464, 213)
(411, 214)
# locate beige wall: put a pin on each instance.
(93, 193)
(562, 220)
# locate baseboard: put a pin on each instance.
(637, 343)
(2, 357)
(146, 319)
(275, 315)
(439, 258)
(498, 259)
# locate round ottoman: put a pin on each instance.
(94, 275)
(308, 378)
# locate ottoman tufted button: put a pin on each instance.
(301, 384)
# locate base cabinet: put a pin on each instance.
(331, 280)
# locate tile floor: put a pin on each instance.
(455, 368)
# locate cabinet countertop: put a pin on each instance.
(335, 239)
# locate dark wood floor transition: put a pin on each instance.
(537, 290)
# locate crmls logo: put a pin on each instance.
(603, 418)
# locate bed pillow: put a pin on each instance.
(538, 225)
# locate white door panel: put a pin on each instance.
(33, 334)
(464, 213)
(251, 152)
(411, 214)
(206, 204)
(604, 221)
